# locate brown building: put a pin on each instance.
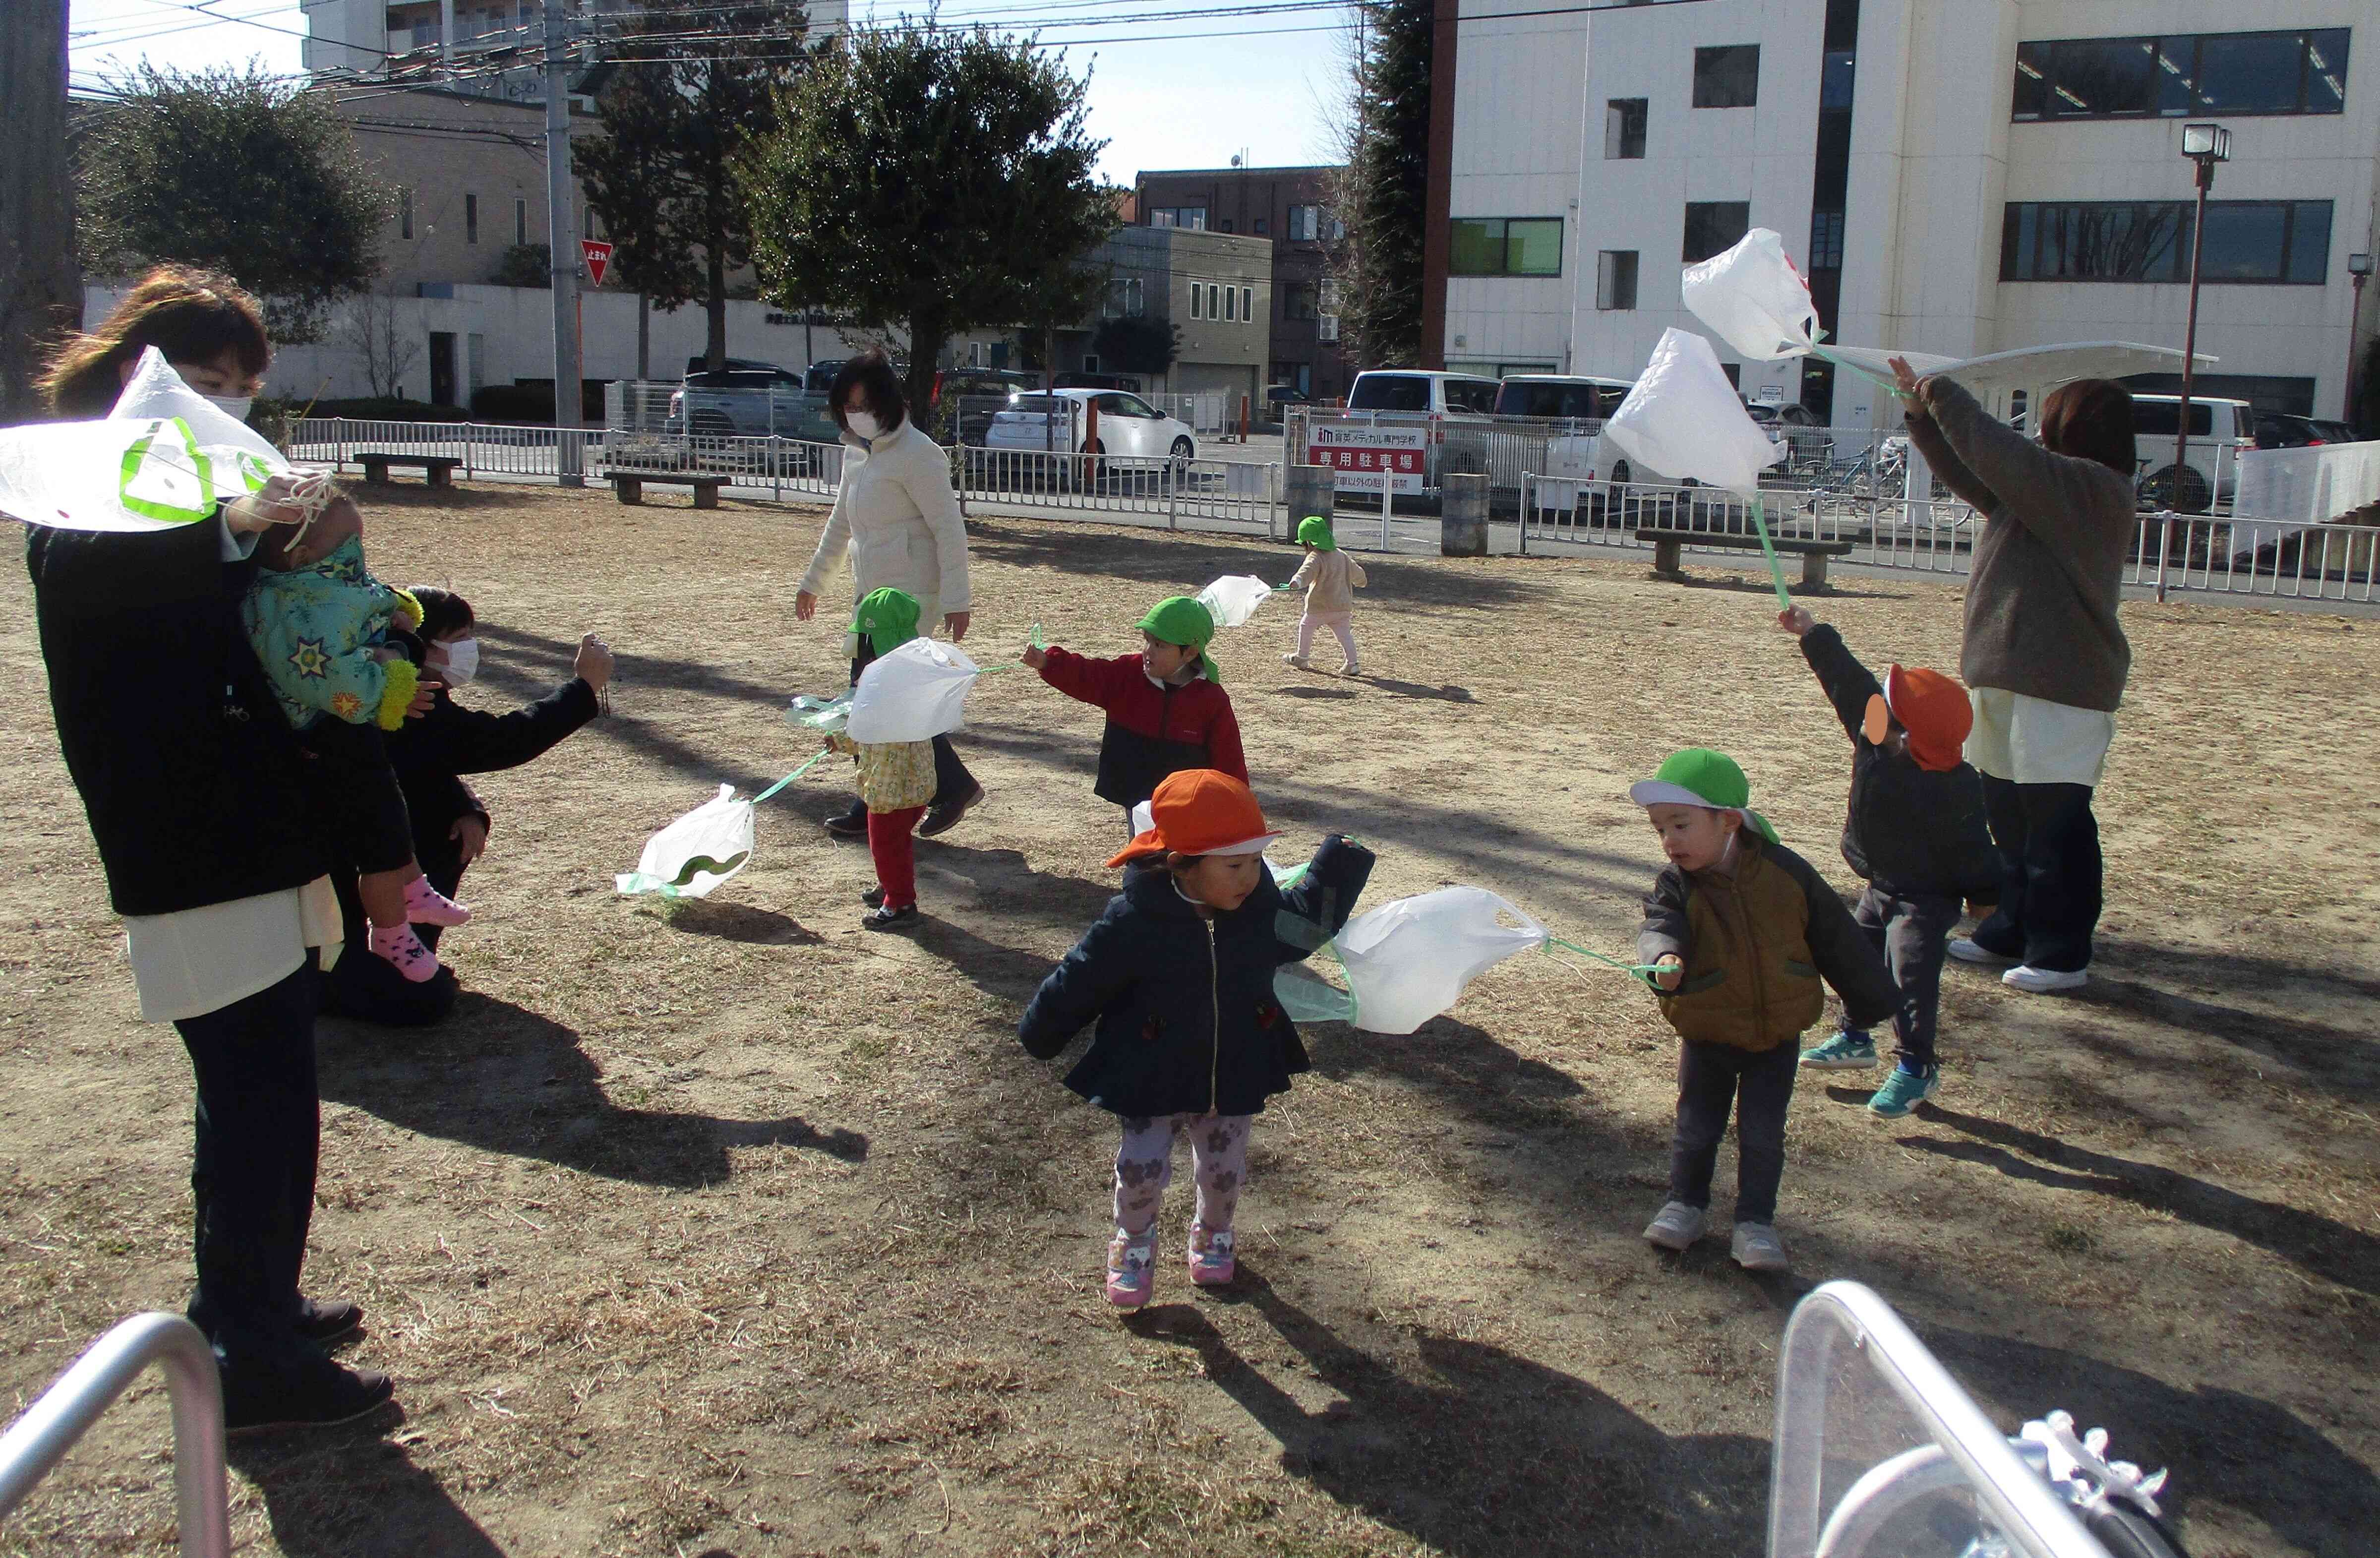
(1287, 205)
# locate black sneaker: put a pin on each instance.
(316, 1393)
(883, 919)
(942, 819)
(326, 1324)
(847, 824)
(873, 898)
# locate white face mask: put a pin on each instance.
(462, 661)
(232, 406)
(864, 426)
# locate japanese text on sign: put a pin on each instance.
(1370, 459)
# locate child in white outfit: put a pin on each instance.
(1330, 577)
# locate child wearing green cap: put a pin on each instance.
(1740, 929)
(1330, 577)
(896, 778)
(1166, 707)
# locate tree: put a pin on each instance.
(238, 172)
(934, 179)
(372, 333)
(1148, 344)
(1383, 194)
(41, 288)
(676, 115)
(525, 264)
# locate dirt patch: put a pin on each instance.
(733, 1229)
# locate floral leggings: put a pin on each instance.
(1144, 1167)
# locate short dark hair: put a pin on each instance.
(442, 611)
(2091, 420)
(189, 314)
(871, 373)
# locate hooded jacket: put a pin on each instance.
(1186, 1018)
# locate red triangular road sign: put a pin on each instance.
(599, 256)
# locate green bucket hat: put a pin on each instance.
(1315, 531)
(1178, 620)
(888, 618)
(1699, 776)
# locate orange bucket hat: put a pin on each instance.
(1932, 707)
(1198, 811)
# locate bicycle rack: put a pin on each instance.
(37, 1441)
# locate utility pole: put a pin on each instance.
(40, 286)
(563, 234)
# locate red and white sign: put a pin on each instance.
(598, 257)
(1368, 458)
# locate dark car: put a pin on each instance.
(1129, 383)
(2278, 430)
(966, 399)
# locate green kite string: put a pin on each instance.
(1643, 972)
(1768, 550)
(1841, 361)
(791, 777)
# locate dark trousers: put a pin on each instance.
(252, 1175)
(442, 862)
(359, 792)
(953, 782)
(2050, 870)
(1758, 1085)
(1911, 932)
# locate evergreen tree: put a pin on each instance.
(1383, 197)
(693, 86)
(934, 180)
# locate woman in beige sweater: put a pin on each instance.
(1331, 578)
(898, 518)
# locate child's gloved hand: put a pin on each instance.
(1668, 970)
(1034, 656)
(1797, 621)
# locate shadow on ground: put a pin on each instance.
(353, 1494)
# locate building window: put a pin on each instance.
(1615, 279)
(2231, 73)
(1506, 246)
(1198, 296)
(1311, 224)
(1231, 302)
(2283, 242)
(403, 212)
(1192, 217)
(520, 222)
(1123, 300)
(1214, 307)
(1623, 128)
(587, 221)
(470, 219)
(1225, 225)
(1727, 76)
(1248, 304)
(1262, 226)
(1300, 300)
(1715, 226)
(1825, 241)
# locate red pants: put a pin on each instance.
(891, 846)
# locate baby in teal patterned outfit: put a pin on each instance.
(320, 625)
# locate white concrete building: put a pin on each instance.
(1960, 176)
(490, 47)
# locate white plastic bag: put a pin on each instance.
(1685, 417)
(163, 457)
(917, 691)
(696, 853)
(1233, 597)
(1409, 960)
(1754, 299)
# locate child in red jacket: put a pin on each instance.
(1167, 709)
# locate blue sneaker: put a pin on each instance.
(1848, 1051)
(1904, 1091)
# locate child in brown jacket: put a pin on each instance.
(1739, 932)
(1330, 577)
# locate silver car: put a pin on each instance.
(1130, 429)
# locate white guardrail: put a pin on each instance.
(64, 1413)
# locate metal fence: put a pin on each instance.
(1210, 412)
(1207, 493)
(2200, 553)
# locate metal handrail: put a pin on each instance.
(69, 1409)
(2024, 1505)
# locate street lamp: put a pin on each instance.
(2206, 145)
(2360, 267)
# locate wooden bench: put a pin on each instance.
(437, 470)
(1669, 543)
(629, 485)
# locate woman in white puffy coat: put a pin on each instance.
(898, 518)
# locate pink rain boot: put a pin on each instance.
(402, 948)
(424, 905)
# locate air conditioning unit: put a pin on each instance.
(1326, 327)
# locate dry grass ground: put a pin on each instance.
(735, 1230)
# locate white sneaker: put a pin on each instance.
(2043, 981)
(1675, 1226)
(1756, 1247)
(1966, 949)
(1350, 669)
(1298, 660)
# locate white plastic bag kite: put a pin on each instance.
(1233, 597)
(915, 692)
(696, 853)
(1685, 417)
(1409, 960)
(1754, 299)
(162, 458)
(826, 715)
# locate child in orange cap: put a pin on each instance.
(1915, 833)
(1178, 975)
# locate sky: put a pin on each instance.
(1256, 85)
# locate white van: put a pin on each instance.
(1427, 397)
(2220, 430)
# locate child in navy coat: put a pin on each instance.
(1178, 975)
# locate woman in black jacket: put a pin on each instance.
(450, 823)
(194, 785)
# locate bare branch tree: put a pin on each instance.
(373, 332)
